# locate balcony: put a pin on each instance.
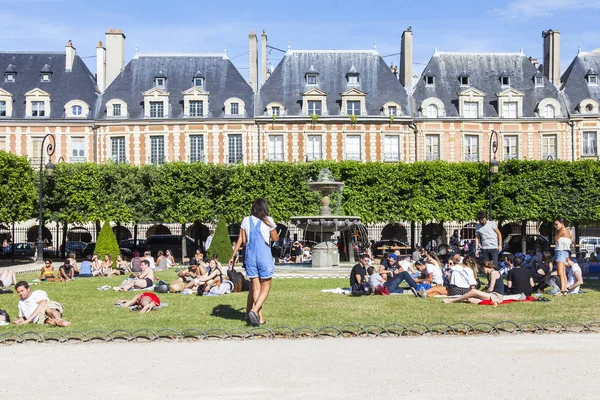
(432, 157)
(156, 160)
(35, 161)
(354, 156)
(391, 157)
(118, 160)
(589, 151)
(235, 159)
(314, 156)
(276, 157)
(471, 157)
(196, 158)
(77, 160)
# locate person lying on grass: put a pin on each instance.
(143, 280)
(494, 291)
(145, 302)
(36, 307)
(8, 278)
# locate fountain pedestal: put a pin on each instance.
(325, 254)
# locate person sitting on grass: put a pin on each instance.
(73, 260)
(8, 278)
(359, 271)
(143, 280)
(212, 278)
(192, 271)
(36, 307)
(47, 272)
(85, 270)
(542, 272)
(145, 301)
(461, 280)
(574, 277)
(431, 273)
(66, 272)
(106, 266)
(507, 264)
(494, 291)
(122, 266)
(519, 280)
(396, 275)
(375, 279)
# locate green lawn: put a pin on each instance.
(293, 303)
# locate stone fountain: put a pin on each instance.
(325, 254)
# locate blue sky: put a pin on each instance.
(199, 27)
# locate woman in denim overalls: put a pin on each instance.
(256, 231)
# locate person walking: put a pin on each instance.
(489, 237)
(563, 242)
(256, 231)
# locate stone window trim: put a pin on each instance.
(314, 94)
(156, 95)
(394, 155)
(71, 140)
(463, 142)
(588, 106)
(594, 151)
(352, 155)
(510, 95)
(542, 141)
(241, 107)
(269, 109)
(195, 94)
(37, 95)
(111, 142)
(110, 108)
(436, 102)
(159, 158)
(545, 102)
(8, 99)
(470, 95)
(311, 155)
(354, 95)
(440, 146)
(188, 146)
(276, 156)
(84, 107)
(508, 134)
(386, 108)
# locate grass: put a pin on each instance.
(292, 303)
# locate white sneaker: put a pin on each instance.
(423, 292)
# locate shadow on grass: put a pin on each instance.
(226, 311)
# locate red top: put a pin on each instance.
(153, 298)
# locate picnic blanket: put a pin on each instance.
(338, 291)
(508, 301)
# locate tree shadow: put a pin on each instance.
(226, 311)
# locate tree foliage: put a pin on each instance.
(18, 191)
(221, 242)
(107, 243)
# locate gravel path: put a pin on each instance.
(496, 367)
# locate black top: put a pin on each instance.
(499, 284)
(358, 269)
(67, 268)
(520, 278)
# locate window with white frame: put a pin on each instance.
(157, 150)
(511, 147)
(276, 110)
(117, 149)
(234, 109)
(589, 144)
(432, 111)
(471, 109)
(429, 81)
(196, 148)
(353, 79)
(353, 150)
(314, 148)
(353, 107)
(539, 81)
(196, 108)
(464, 80)
(36, 148)
(505, 80)
(392, 110)
(198, 82)
(276, 147)
(160, 82)
(509, 109)
(592, 80)
(311, 79)
(391, 148)
(116, 109)
(549, 147)
(45, 77)
(432, 147)
(38, 109)
(3, 143)
(76, 110)
(9, 78)
(471, 148)
(157, 109)
(549, 111)
(314, 107)
(235, 148)
(77, 150)
(2, 108)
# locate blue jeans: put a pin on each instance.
(394, 283)
(489, 254)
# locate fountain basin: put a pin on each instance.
(324, 223)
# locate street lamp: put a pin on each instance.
(493, 165)
(49, 150)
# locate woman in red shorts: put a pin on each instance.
(145, 302)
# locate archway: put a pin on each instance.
(513, 228)
(5, 234)
(121, 233)
(158, 229)
(394, 231)
(79, 234)
(467, 232)
(32, 235)
(432, 235)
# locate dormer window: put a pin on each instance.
(198, 80)
(592, 78)
(505, 79)
(10, 74)
(160, 80)
(46, 73)
(352, 76)
(463, 79)
(539, 81)
(45, 77)
(9, 78)
(311, 79)
(429, 79)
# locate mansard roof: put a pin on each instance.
(574, 83)
(77, 84)
(288, 80)
(222, 80)
(484, 71)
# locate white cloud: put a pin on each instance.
(517, 9)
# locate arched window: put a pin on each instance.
(432, 111)
(549, 111)
(76, 110)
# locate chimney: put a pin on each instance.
(115, 54)
(101, 66)
(70, 56)
(263, 59)
(552, 56)
(406, 59)
(253, 61)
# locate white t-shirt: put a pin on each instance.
(462, 277)
(571, 278)
(264, 228)
(28, 306)
(375, 280)
(437, 273)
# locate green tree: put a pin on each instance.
(18, 191)
(221, 242)
(107, 243)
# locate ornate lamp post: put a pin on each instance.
(493, 165)
(49, 150)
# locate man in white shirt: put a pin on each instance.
(574, 276)
(209, 240)
(37, 308)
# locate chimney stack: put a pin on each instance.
(253, 61)
(263, 59)
(406, 59)
(115, 54)
(70, 56)
(552, 56)
(101, 66)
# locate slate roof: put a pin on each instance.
(484, 71)
(222, 80)
(574, 84)
(78, 84)
(288, 80)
